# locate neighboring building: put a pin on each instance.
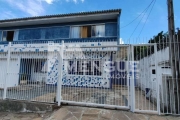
(29, 38)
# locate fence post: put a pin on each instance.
(7, 70)
(59, 83)
(157, 87)
(128, 74)
(132, 87)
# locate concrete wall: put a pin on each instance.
(22, 106)
(12, 80)
(3, 64)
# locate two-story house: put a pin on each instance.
(33, 39)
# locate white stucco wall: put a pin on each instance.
(13, 76)
(147, 64)
(3, 65)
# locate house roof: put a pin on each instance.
(60, 18)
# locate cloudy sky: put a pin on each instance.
(148, 24)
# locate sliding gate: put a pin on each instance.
(96, 76)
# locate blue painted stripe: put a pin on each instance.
(102, 39)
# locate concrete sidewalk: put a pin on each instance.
(84, 113)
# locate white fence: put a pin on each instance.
(135, 77)
(30, 72)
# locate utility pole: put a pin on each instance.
(171, 30)
(173, 59)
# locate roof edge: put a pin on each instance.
(63, 15)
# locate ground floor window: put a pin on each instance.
(40, 65)
(84, 67)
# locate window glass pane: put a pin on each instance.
(87, 68)
(44, 66)
(84, 67)
(29, 34)
(97, 68)
(71, 67)
(79, 68)
(75, 32)
(98, 31)
(40, 66)
(111, 29)
(56, 32)
(4, 35)
(16, 33)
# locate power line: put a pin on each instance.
(147, 19)
(138, 15)
(139, 23)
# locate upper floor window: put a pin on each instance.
(88, 31)
(98, 31)
(9, 35)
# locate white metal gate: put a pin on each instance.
(96, 76)
(146, 91)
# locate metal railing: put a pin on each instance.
(138, 77)
(30, 72)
